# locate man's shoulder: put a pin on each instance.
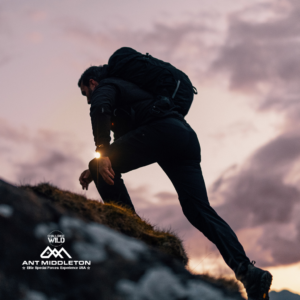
(114, 81)
(125, 88)
(117, 84)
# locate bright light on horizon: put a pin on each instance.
(97, 154)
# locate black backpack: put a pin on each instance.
(153, 75)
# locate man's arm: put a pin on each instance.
(102, 103)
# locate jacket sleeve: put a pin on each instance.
(102, 103)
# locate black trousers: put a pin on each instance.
(174, 145)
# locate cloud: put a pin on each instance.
(6, 51)
(4, 59)
(9, 132)
(264, 193)
(186, 44)
(55, 161)
(37, 15)
(35, 37)
(54, 165)
(240, 128)
(282, 242)
(259, 58)
(259, 54)
(44, 155)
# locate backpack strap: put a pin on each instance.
(178, 84)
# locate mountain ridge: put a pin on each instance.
(284, 295)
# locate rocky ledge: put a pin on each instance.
(50, 253)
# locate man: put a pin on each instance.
(148, 129)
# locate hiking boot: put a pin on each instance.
(257, 282)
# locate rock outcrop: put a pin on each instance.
(82, 259)
(114, 216)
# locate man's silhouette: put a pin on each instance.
(148, 130)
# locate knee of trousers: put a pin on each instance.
(103, 188)
(189, 211)
(93, 165)
(99, 181)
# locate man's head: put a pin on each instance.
(90, 79)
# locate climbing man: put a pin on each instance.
(149, 128)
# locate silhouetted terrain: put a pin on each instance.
(130, 258)
(283, 295)
(124, 257)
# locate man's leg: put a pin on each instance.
(187, 179)
(117, 192)
(184, 171)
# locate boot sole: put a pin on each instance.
(265, 284)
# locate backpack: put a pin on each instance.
(153, 75)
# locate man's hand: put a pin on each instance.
(106, 170)
(85, 179)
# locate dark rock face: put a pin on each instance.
(87, 261)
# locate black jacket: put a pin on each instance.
(121, 106)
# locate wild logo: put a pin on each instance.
(56, 238)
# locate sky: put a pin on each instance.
(242, 56)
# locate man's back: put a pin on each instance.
(129, 105)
